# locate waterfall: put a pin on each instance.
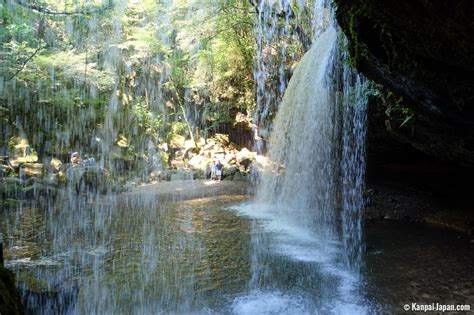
(97, 253)
(279, 28)
(317, 145)
(309, 196)
(353, 165)
(303, 143)
(311, 193)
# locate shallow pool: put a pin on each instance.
(221, 255)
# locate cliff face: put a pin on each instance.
(422, 50)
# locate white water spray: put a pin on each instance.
(311, 197)
(317, 145)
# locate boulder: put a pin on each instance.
(260, 165)
(222, 139)
(200, 162)
(239, 176)
(243, 154)
(189, 144)
(177, 141)
(177, 163)
(210, 144)
(230, 170)
(189, 153)
(219, 156)
(163, 147)
(230, 158)
(31, 170)
(201, 142)
(197, 162)
(245, 162)
(219, 149)
(245, 157)
(56, 164)
(263, 161)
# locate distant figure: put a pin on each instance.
(213, 171)
(219, 168)
(88, 161)
(75, 158)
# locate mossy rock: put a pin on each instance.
(230, 170)
(10, 299)
(10, 187)
(240, 176)
(88, 179)
(199, 174)
(421, 52)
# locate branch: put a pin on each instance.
(26, 61)
(39, 9)
(255, 5)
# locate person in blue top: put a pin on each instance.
(219, 168)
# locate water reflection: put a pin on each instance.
(408, 262)
(217, 255)
(132, 257)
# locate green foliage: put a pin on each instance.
(217, 114)
(137, 69)
(146, 120)
(22, 33)
(72, 66)
(178, 128)
(395, 109)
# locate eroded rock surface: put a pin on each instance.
(423, 50)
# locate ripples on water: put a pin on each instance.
(219, 255)
(192, 256)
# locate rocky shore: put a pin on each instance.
(416, 192)
(430, 193)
